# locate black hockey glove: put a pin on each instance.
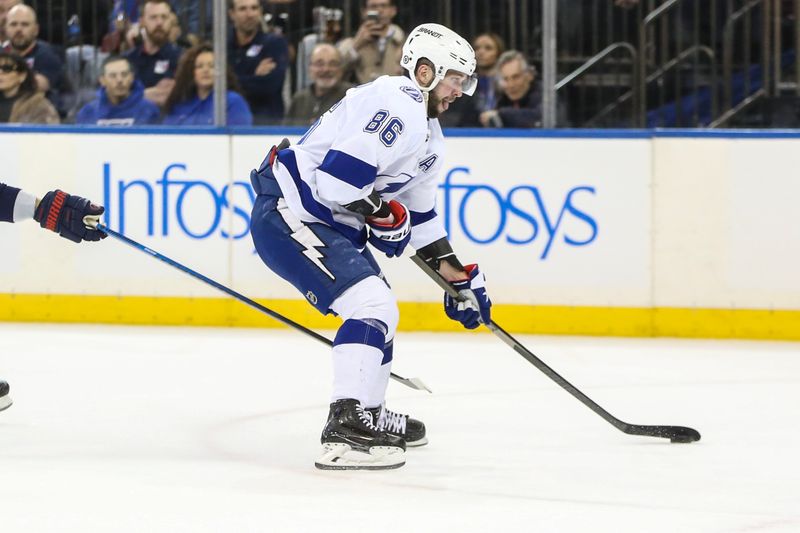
(473, 306)
(63, 213)
(393, 238)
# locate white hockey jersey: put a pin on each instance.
(377, 137)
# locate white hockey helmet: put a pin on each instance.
(443, 47)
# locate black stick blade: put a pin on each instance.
(676, 434)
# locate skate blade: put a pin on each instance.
(5, 403)
(340, 456)
(419, 442)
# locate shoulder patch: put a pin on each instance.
(412, 92)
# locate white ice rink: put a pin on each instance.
(118, 429)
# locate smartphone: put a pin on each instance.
(373, 16)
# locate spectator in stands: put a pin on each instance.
(326, 88)
(191, 101)
(124, 27)
(189, 11)
(377, 46)
(488, 49)
(20, 100)
(328, 26)
(65, 23)
(120, 100)
(155, 59)
(22, 30)
(520, 105)
(5, 5)
(259, 60)
(177, 37)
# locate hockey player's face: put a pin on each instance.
(445, 93)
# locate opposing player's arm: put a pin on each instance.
(57, 211)
(9, 199)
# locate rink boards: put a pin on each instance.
(607, 233)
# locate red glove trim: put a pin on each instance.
(55, 210)
(398, 211)
(468, 269)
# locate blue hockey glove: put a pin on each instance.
(63, 213)
(393, 238)
(473, 306)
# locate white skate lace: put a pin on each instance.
(365, 417)
(392, 422)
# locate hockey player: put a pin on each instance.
(57, 211)
(366, 172)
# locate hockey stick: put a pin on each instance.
(673, 433)
(414, 383)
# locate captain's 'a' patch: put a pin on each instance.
(412, 92)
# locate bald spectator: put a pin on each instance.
(259, 60)
(5, 5)
(377, 46)
(155, 59)
(328, 29)
(327, 87)
(22, 30)
(520, 105)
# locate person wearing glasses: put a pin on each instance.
(21, 101)
(327, 87)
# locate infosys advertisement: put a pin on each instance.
(550, 221)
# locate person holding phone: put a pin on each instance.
(377, 47)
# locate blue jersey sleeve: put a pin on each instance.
(8, 197)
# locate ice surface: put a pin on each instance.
(118, 429)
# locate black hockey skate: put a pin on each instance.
(351, 442)
(409, 429)
(5, 399)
